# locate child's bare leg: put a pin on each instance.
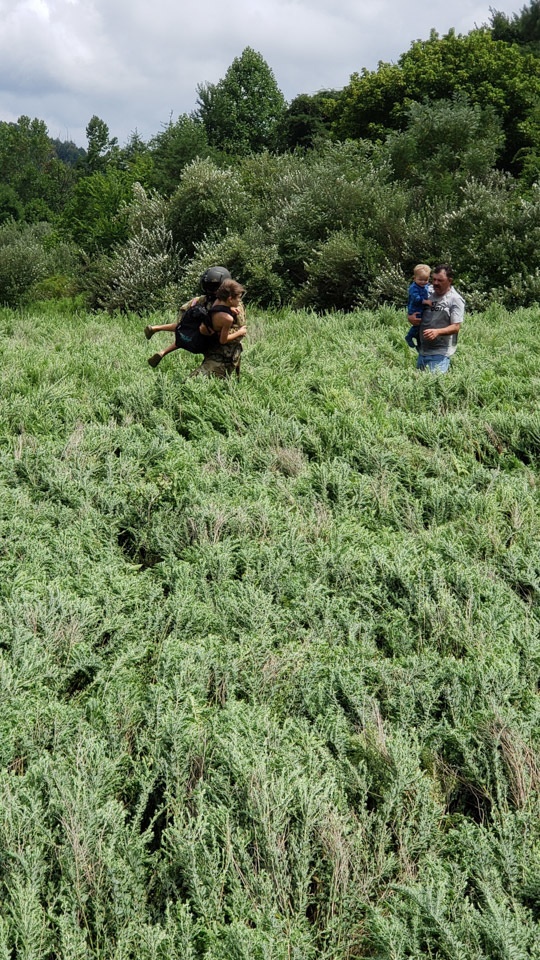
(158, 357)
(149, 331)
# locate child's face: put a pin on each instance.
(235, 301)
(421, 280)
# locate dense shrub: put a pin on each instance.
(445, 143)
(28, 255)
(248, 256)
(339, 272)
(208, 201)
(270, 180)
(142, 270)
(336, 227)
(333, 193)
(493, 238)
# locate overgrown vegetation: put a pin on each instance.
(269, 654)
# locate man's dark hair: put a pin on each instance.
(447, 269)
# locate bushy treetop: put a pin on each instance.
(241, 111)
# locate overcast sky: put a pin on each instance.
(136, 63)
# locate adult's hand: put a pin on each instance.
(431, 334)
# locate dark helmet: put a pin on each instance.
(213, 278)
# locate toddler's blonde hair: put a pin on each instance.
(422, 270)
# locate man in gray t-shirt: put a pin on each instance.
(440, 323)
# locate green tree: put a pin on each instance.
(134, 149)
(445, 142)
(307, 120)
(31, 168)
(25, 154)
(491, 73)
(11, 207)
(95, 215)
(135, 158)
(173, 148)
(370, 103)
(522, 28)
(25, 151)
(101, 147)
(68, 152)
(241, 111)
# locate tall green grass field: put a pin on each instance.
(269, 647)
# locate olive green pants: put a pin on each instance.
(222, 363)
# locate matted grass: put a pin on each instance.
(269, 652)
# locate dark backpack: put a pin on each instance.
(188, 336)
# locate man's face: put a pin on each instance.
(441, 283)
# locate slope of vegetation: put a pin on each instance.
(269, 652)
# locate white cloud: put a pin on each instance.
(135, 64)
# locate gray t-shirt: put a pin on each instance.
(450, 308)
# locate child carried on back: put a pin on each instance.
(223, 325)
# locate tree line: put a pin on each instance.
(326, 201)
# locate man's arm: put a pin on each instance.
(236, 334)
(431, 334)
(457, 313)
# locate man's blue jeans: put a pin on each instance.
(435, 363)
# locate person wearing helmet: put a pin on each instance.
(221, 359)
(212, 279)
